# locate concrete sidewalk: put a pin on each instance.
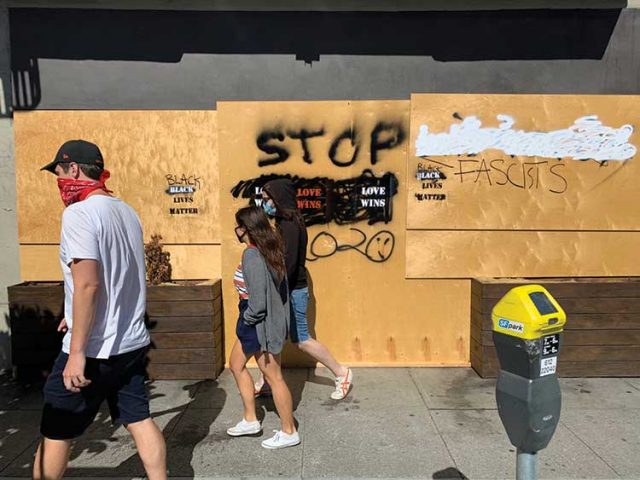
(434, 423)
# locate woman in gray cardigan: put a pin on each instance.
(261, 281)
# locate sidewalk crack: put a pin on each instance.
(589, 447)
(435, 425)
(632, 385)
(32, 446)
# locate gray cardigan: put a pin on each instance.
(268, 307)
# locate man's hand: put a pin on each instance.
(62, 327)
(73, 374)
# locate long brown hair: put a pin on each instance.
(267, 240)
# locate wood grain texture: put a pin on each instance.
(185, 292)
(186, 327)
(183, 356)
(593, 197)
(41, 262)
(602, 334)
(462, 254)
(180, 324)
(586, 337)
(167, 371)
(586, 305)
(183, 340)
(568, 369)
(591, 287)
(140, 149)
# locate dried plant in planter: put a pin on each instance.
(158, 262)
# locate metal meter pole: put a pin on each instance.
(526, 466)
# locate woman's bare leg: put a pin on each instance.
(270, 367)
(238, 366)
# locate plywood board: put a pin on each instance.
(524, 162)
(461, 254)
(367, 313)
(195, 261)
(41, 262)
(146, 151)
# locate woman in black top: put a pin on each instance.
(279, 201)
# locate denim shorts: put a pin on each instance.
(299, 326)
(119, 379)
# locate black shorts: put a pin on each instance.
(247, 334)
(120, 380)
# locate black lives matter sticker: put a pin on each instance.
(181, 189)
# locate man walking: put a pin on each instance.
(104, 349)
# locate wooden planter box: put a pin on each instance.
(185, 322)
(602, 334)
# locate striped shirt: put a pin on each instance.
(238, 282)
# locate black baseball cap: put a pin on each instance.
(78, 151)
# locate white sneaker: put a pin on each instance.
(281, 440)
(343, 384)
(245, 428)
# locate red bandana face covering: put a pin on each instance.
(73, 190)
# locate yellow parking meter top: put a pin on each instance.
(528, 312)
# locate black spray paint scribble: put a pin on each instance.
(315, 209)
(322, 200)
(378, 248)
(386, 135)
(364, 198)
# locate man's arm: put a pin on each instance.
(86, 284)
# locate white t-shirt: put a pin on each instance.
(108, 230)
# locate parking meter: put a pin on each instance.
(527, 333)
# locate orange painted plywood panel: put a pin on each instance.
(146, 151)
(461, 254)
(41, 262)
(367, 313)
(524, 162)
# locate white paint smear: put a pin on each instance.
(586, 139)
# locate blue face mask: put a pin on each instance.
(269, 209)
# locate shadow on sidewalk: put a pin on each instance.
(194, 428)
(187, 436)
(449, 474)
(295, 378)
